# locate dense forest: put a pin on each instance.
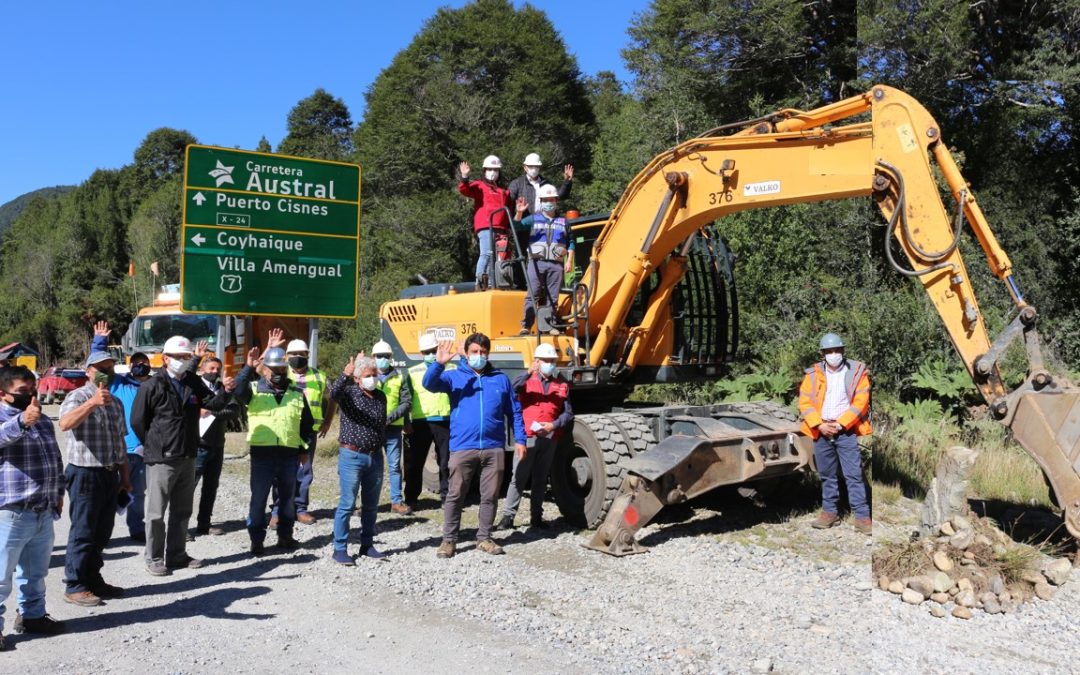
(1002, 78)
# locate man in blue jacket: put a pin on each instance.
(481, 400)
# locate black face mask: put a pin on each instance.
(279, 380)
(140, 369)
(297, 362)
(211, 377)
(21, 401)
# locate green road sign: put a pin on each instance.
(269, 234)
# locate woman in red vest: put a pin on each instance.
(545, 408)
(490, 199)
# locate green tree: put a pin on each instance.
(159, 157)
(264, 145)
(319, 127)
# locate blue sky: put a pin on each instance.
(84, 82)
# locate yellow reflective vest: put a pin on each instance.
(391, 386)
(425, 404)
(314, 390)
(272, 423)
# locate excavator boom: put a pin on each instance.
(797, 157)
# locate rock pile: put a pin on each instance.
(969, 564)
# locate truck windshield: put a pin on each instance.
(153, 331)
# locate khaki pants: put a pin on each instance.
(464, 464)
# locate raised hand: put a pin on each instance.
(347, 371)
(276, 338)
(101, 329)
(32, 414)
(568, 172)
(229, 383)
(521, 205)
(253, 357)
(200, 348)
(464, 168)
(445, 351)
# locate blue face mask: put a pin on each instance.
(429, 359)
(382, 363)
(477, 362)
(547, 207)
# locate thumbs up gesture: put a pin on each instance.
(32, 414)
(102, 397)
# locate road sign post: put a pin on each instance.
(267, 234)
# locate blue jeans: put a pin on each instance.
(26, 541)
(305, 475)
(92, 510)
(836, 455)
(266, 468)
(208, 465)
(364, 472)
(136, 510)
(393, 462)
(483, 263)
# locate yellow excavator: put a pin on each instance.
(653, 299)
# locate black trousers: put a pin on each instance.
(424, 433)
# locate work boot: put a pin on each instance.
(524, 331)
(342, 557)
(505, 523)
(538, 523)
(446, 550)
(287, 543)
(825, 520)
(374, 553)
(187, 562)
(82, 599)
(257, 548)
(46, 625)
(3, 644)
(401, 509)
(489, 546)
(484, 282)
(213, 531)
(158, 568)
(305, 518)
(864, 525)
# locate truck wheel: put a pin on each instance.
(588, 471)
(767, 408)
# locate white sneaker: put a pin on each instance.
(374, 553)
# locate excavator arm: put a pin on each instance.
(832, 153)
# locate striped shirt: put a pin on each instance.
(836, 396)
(99, 440)
(31, 471)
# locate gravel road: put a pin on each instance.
(736, 590)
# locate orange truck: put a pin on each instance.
(163, 319)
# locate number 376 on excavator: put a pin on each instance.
(653, 300)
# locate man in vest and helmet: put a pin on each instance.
(316, 390)
(430, 423)
(549, 239)
(546, 411)
(279, 419)
(394, 384)
(834, 403)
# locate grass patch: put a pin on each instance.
(899, 559)
(888, 494)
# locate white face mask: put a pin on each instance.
(491, 174)
(368, 383)
(177, 367)
(532, 171)
(834, 359)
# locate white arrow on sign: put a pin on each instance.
(199, 198)
(198, 239)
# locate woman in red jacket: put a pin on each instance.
(489, 199)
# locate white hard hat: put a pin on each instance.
(428, 341)
(548, 191)
(381, 347)
(545, 351)
(177, 344)
(532, 159)
(492, 162)
(296, 346)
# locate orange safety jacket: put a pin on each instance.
(812, 399)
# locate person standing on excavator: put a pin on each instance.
(549, 239)
(834, 403)
(490, 200)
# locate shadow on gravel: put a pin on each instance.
(1028, 524)
(213, 605)
(204, 578)
(432, 543)
(382, 527)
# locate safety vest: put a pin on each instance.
(391, 386)
(314, 389)
(812, 399)
(273, 423)
(542, 406)
(549, 238)
(424, 403)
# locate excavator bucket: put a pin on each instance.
(1047, 424)
(683, 467)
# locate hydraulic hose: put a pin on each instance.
(899, 212)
